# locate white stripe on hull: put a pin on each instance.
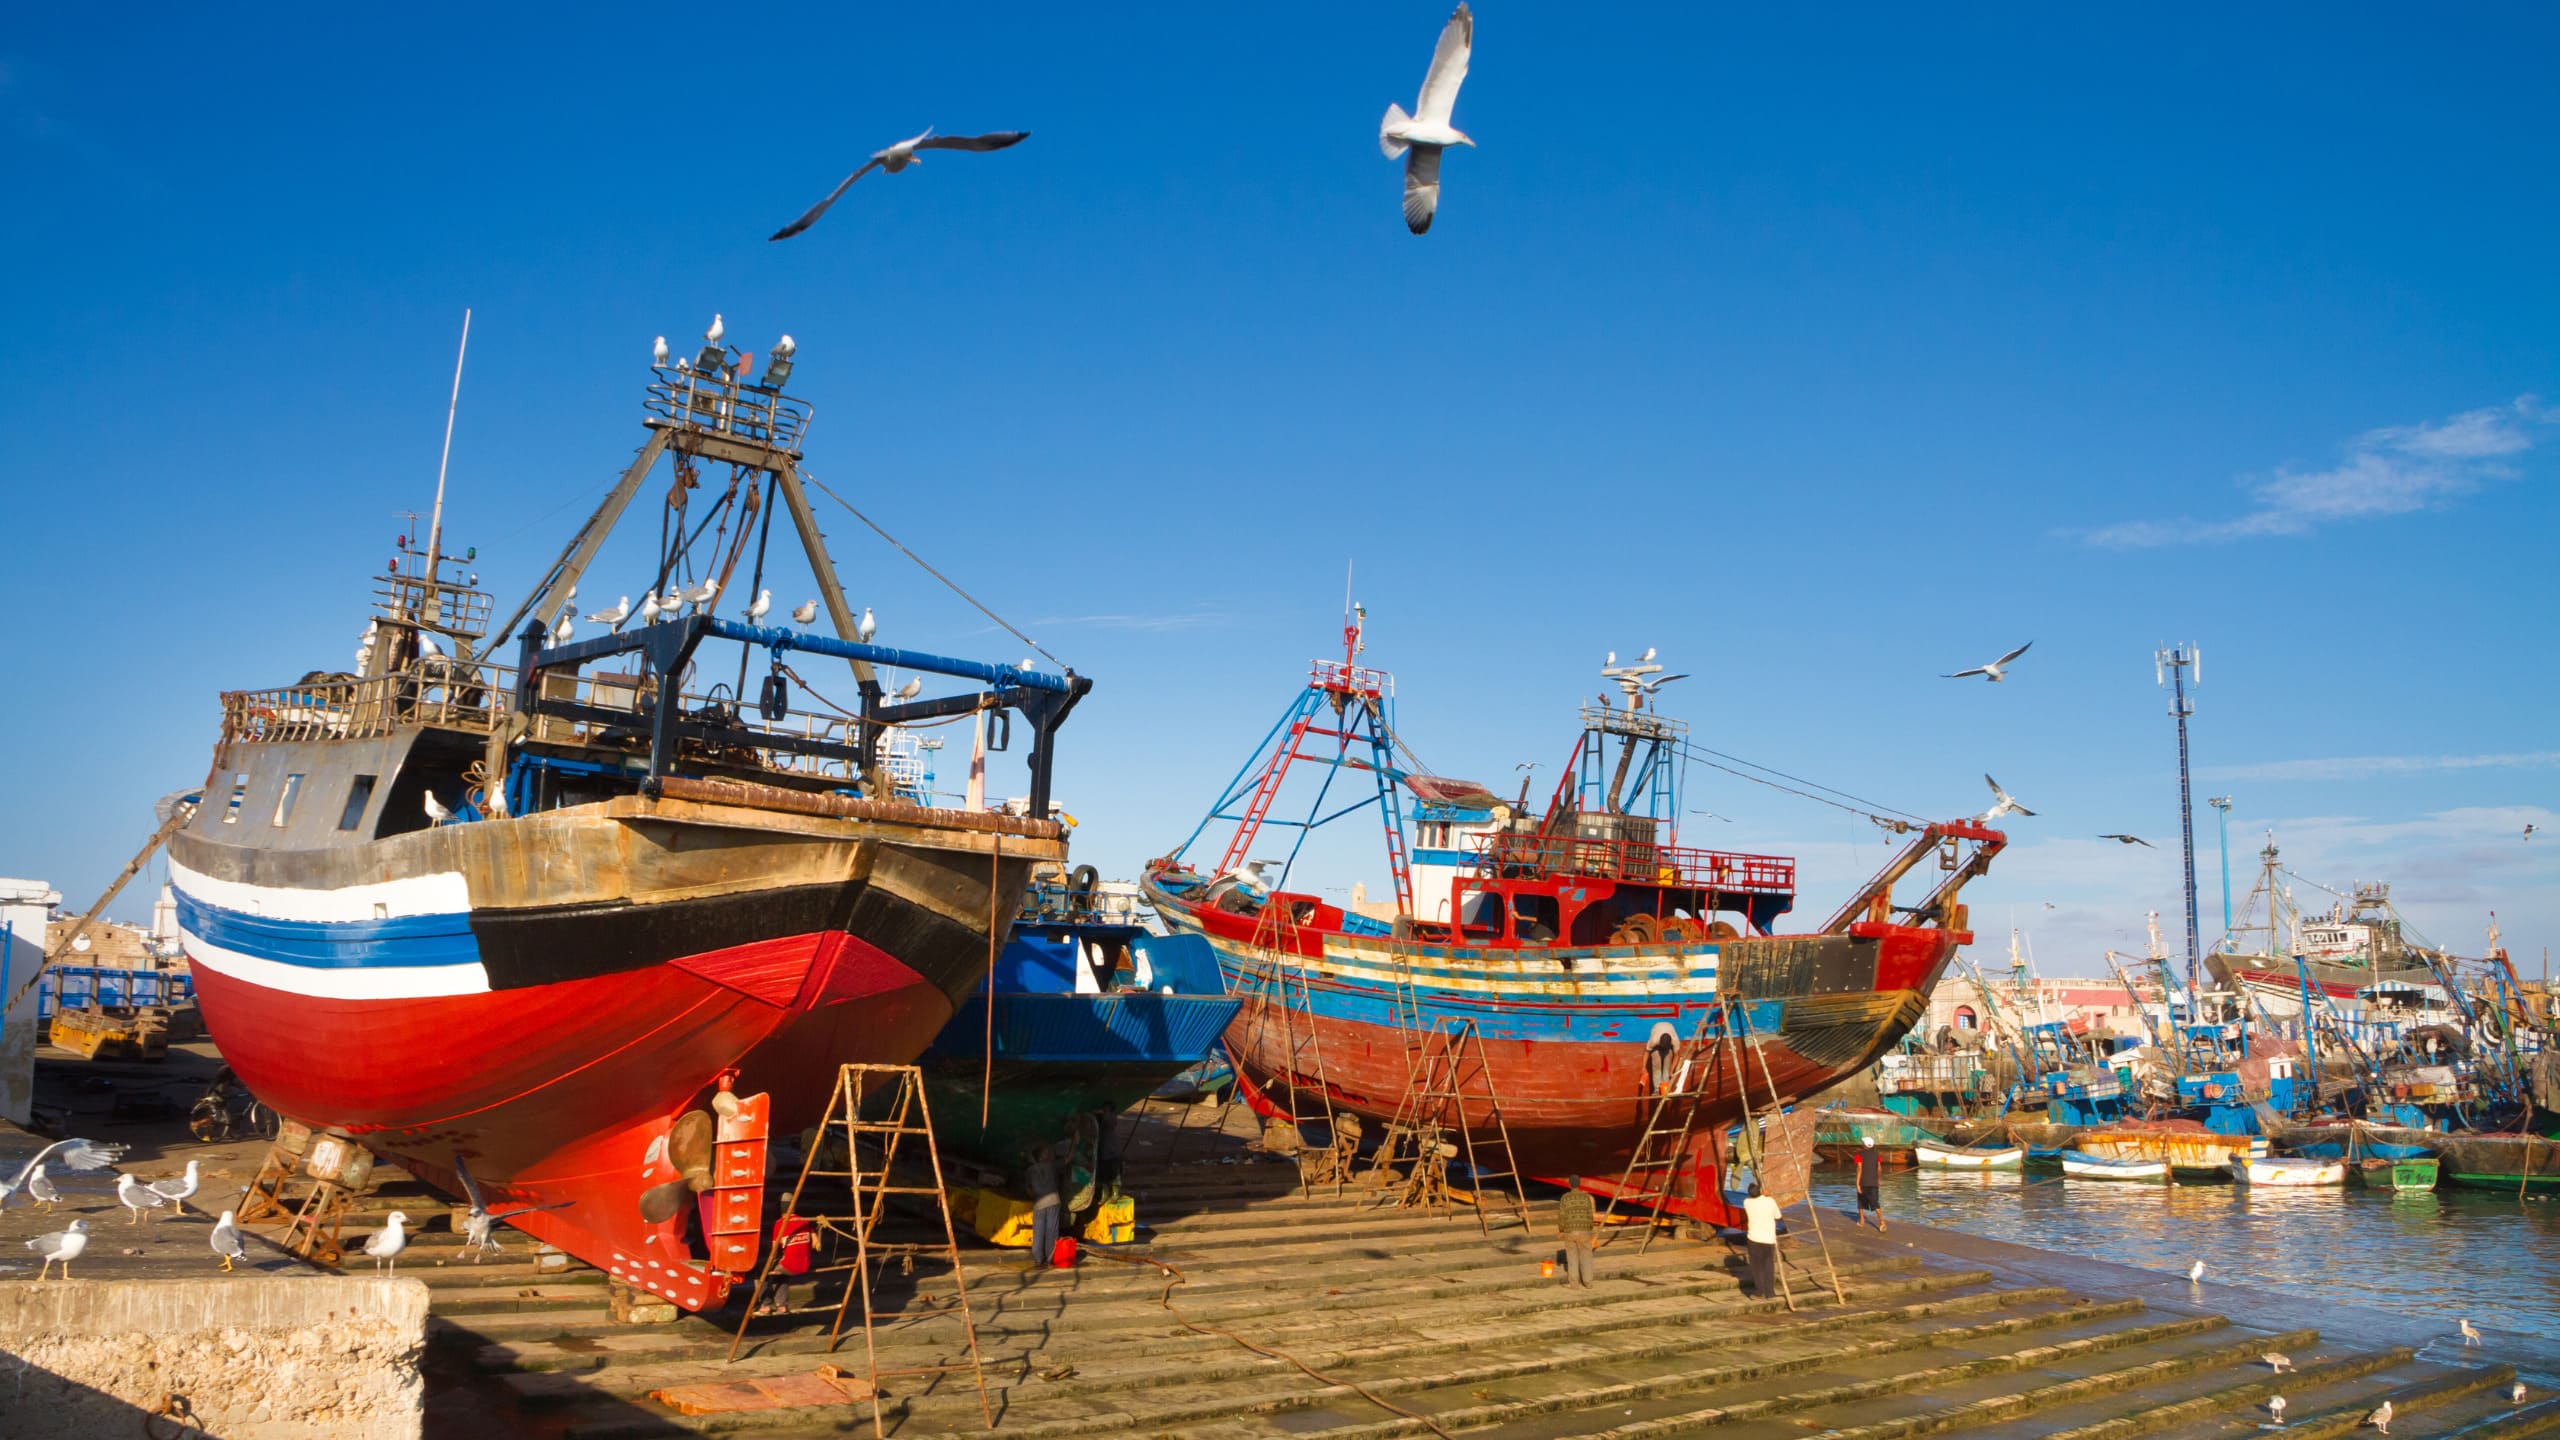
(444, 893)
(320, 982)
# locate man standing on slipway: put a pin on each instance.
(1870, 1181)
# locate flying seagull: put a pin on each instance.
(1419, 138)
(75, 1154)
(898, 157)
(2129, 840)
(2003, 805)
(2529, 829)
(61, 1248)
(478, 1226)
(179, 1191)
(1997, 670)
(226, 1242)
(807, 613)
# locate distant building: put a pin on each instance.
(2089, 1006)
(26, 908)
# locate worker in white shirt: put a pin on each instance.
(1760, 1238)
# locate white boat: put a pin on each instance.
(1949, 1157)
(2291, 1170)
(2079, 1164)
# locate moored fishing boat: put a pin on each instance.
(2081, 1165)
(2185, 1146)
(2288, 1171)
(575, 920)
(1944, 1157)
(1840, 1132)
(2409, 1172)
(1608, 980)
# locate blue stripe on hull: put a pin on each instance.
(333, 945)
(1513, 1017)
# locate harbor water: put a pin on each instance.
(2455, 1253)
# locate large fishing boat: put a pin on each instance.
(2358, 953)
(1584, 963)
(586, 922)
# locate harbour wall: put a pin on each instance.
(293, 1357)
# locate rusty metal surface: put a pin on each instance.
(846, 807)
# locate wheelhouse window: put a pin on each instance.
(285, 800)
(1482, 915)
(1534, 917)
(359, 799)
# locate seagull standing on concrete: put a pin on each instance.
(2003, 805)
(1997, 670)
(1419, 138)
(2469, 1335)
(385, 1244)
(2515, 1393)
(436, 813)
(898, 157)
(2380, 1419)
(2195, 1272)
(40, 1190)
(2129, 840)
(807, 613)
(61, 1248)
(179, 1191)
(2277, 1363)
(139, 1198)
(2275, 1407)
(226, 1242)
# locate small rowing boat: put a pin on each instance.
(2081, 1165)
(2289, 1171)
(1948, 1157)
(2383, 1172)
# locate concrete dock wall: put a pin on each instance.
(294, 1357)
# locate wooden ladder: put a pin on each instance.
(1276, 978)
(1653, 1168)
(1452, 1066)
(895, 1095)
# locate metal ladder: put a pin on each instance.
(903, 1111)
(1652, 1171)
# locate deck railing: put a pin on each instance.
(723, 403)
(1517, 854)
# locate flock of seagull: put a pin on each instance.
(2002, 804)
(1418, 139)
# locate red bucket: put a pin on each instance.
(1063, 1257)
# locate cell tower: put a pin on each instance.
(2170, 667)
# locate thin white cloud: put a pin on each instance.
(1171, 620)
(2369, 767)
(2391, 471)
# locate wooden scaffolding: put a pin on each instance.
(884, 1105)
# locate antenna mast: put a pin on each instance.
(2174, 663)
(435, 522)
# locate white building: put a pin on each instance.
(26, 907)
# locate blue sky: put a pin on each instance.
(1825, 352)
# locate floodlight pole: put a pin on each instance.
(2175, 662)
(2222, 818)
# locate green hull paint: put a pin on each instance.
(1032, 1104)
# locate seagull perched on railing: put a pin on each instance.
(436, 813)
(762, 603)
(700, 596)
(898, 157)
(650, 609)
(615, 616)
(866, 627)
(561, 632)
(1997, 670)
(911, 689)
(2129, 840)
(718, 329)
(1419, 138)
(658, 353)
(2004, 805)
(806, 614)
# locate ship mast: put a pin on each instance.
(435, 520)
